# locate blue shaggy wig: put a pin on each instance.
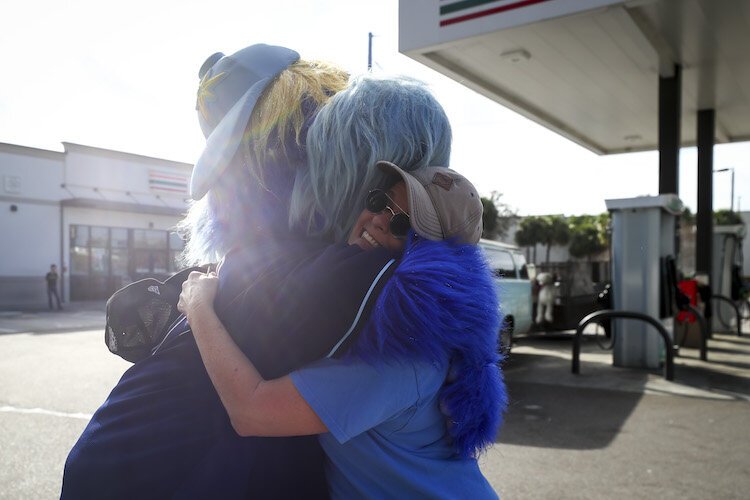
(441, 305)
(394, 119)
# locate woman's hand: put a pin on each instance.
(198, 292)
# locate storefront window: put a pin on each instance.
(160, 263)
(176, 244)
(79, 236)
(150, 238)
(150, 262)
(99, 261)
(99, 237)
(104, 259)
(119, 261)
(119, 237)
(79, 260)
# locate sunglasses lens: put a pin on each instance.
(400, 225)
(376, 201)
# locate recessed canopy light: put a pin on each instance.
(516, 56)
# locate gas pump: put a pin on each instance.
(727, 262)
(644, 245)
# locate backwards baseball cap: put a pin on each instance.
(229, 89)
(443, 204)
(139, 314)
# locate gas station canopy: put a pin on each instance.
(590, 69)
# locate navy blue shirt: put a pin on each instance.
(163, 432)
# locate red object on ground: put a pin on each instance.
(689, 288)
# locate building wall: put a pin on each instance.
(43, 193)
(31, 174)
(30, 238)
(29, 221)
(30, 243)
(111, 218)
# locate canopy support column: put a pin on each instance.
(670, 99)
(704, 218)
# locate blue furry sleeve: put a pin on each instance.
(441, 305)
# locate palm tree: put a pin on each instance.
(530, 232)
(588, 235)
(555, 232)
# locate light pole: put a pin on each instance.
(729, 169)
(369, 51)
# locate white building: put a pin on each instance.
(103, 217)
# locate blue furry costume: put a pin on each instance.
(287, 300)
(441, 303)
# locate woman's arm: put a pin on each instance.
(256, 407)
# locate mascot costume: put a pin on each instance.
(288, 294)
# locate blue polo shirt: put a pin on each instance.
(387, 437)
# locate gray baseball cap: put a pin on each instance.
(229, 88)
(443, 204)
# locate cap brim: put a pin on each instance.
(224, 141)
(422, 214)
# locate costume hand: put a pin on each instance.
(198, 291)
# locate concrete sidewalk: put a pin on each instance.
(75, 316)
(726, 373)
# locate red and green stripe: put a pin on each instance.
(166, 182)
(469, 4)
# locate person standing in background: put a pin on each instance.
(51, 278)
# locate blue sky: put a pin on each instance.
(123, 75)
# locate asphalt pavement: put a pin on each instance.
(608, 432)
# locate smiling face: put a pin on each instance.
(372, 230)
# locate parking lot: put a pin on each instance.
(606, 433)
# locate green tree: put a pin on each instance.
(555, 231)
(530, 232)
(727, 218)
(588, 235)
(687, 217)
(489, 217)
(497, 216)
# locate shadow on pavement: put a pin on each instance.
(552, 408)
(552, 416)
(700, 378)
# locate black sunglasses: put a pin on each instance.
(377, 201)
